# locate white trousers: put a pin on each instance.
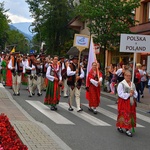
(75, 92)
(16, 81)
(30, 84)
(65, 89)
(37, 84)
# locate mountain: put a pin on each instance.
(26, 35)
(23, 27)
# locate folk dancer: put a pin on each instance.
(44, 66)
(4, 69)
(37, 77)
(63, 66)
(16, 67)
(24, 75)
(30, 71)
(126, 104)
(74, 82)
(94, 80)
(54, 77)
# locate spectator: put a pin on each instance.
(143, 80)
(149, 83)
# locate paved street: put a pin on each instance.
(40, 128)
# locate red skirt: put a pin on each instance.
(126, 114)
(93, 95)
(8, 78)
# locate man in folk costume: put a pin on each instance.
(16, 67)
(126, 104)
(94, 80)
(75, 75)
(63, 66)
(54, 77)
(43, 71)
(24, 75)
(37, 78)
(30, 71)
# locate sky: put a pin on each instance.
(18, 10)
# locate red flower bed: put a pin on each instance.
(9, 139)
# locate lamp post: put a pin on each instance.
(29, 43)
(31, 27)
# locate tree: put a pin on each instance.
(51, 19)
(3, 26)
(107, 19)
(9, 37)
(17, 40)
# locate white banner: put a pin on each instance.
(81, 41)
(134, 43)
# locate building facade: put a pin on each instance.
(142, 14)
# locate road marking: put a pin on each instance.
(85, 116)
(110, 114)
(142, 117)
(1, 85)
(53, 115)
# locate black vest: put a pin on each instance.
(72, 79)
(27, 70)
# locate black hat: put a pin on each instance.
(130, 62)
(3, 53)
(75, 57)
(61, 57)
(32, 54)
(42, 55)
(14, 53)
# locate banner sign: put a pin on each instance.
(81, 41)
(134, 43)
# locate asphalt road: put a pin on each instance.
(85, 130)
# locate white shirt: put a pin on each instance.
(30, 68)
(71, 73)
(10, 65)
(24, 65)
(119, 72)
(50, 77)
(122, 94)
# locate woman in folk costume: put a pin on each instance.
(8, 75)
(54, 77)
(126, 104)
(4, 69)
(94, 80)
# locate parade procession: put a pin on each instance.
(74, 74)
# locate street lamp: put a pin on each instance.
(28, 43)
(31, 29)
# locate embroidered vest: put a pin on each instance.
(72, 79)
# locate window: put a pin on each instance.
(146, 12)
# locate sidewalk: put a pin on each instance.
(34, 135)
(145, 102)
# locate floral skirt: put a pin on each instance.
(52, 94)
(126, 114)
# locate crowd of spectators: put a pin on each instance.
(115, 74)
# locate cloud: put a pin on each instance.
(18, 18)
(18, 10)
